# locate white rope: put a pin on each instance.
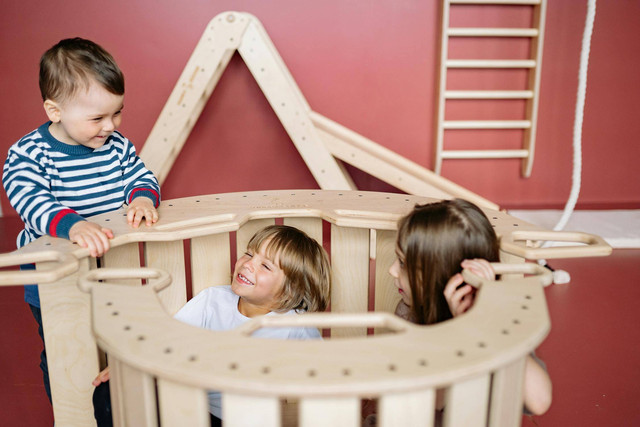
(561, 276)
(577, 124)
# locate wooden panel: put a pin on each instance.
(387, 296)
(350, 265)
(66, 322)
(115, 387)
(210, 261)
(407, 409)
(169, 256)
(506, 395)
(239, 410)
(335, 412)
(311, 226)
(469, 401)
(246, 232)
(124, 256)
(182, 405)
(138, 395)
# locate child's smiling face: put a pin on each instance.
(87, 118)
(258, 281)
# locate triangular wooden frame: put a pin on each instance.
(319, 140)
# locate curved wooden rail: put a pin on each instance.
(509, 319)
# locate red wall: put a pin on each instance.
(370, 66)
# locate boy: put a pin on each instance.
(77, 165)
(282, 271)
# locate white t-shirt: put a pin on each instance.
(216, 308)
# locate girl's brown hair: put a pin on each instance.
(72, 64)
(434, 239)
(305, 265)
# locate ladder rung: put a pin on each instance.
(488, 94)
(486, 124)
(500, 2)
(493, 32)
(485, 154)
(490, 63)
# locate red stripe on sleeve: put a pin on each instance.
(156, 203)
(56, 219)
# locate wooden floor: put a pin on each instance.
(592, 352)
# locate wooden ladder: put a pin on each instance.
(530, 94)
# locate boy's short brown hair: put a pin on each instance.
(305, 265)
(72, 64)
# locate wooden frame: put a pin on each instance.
(150, 351)
(322, 143)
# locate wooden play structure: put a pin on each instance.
(123, 302)
(322, 143)
(530, 93)
(478, 358)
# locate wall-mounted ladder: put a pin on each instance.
(529, 94)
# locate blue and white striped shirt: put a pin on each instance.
(53, 185)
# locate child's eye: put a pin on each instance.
(249, 254)
(97, 119)
(266, 266)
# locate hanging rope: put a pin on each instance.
(577, 124)
(561, 276)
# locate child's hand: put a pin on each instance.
(141, 207)
(479, 267)
(92, 236)
(102, 377)
(460, 296)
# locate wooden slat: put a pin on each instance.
(442, 86)
(210, 261)
(243, 410)
(415, 408)
(350, 265)
(487, 124)
(115, 390)
(539, 17)
(311, 226)
(335, 412)
(484, 154)
(182, 405)
(124, 256)
(490, 63)
(246, 232)
(66, 319)
(169, 256)
(492, 32)
(488, 94)
(386, 296)
(388, 166)
(506, 395)
(137, 394)
(469, 401)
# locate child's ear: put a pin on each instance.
(53, 110)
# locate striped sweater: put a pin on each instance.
(53, 185)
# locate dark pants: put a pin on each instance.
(37, 314)
(102, 408)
